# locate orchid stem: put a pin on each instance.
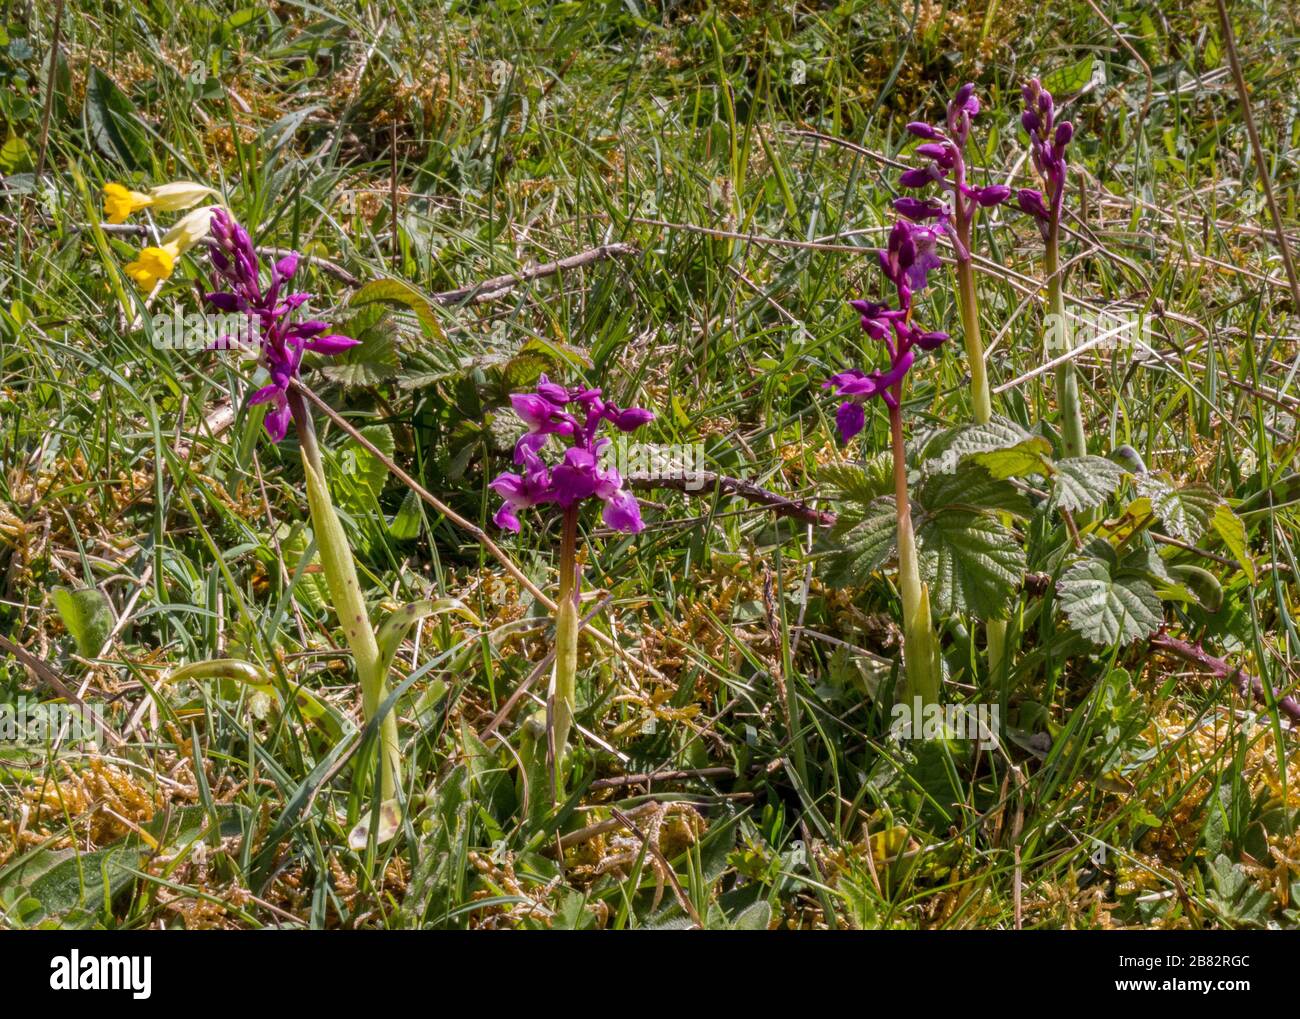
(1073, 441)
(340, 571)
(564, 677)
(920, 643)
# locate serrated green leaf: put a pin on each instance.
(1025, 459)
(391, 291)
(1084, 482)
(361, 466)
(859, 484)
(374, 359)
(971, 562)
(970, 487)
(87, 617)
(1108, 608)
(1231, 529)
(944, 451)
(863, 542)
(1185, 511)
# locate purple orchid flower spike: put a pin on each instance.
(282, 341)
(1047, 141)
(907, 260)
(574, 415)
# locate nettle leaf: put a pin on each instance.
(390, 291)
(971, 487)
(857, 483)
(375, 358)
(1084, 482)
(864, 541)
(1023, 460)
(945, 450)
(1232, 530)
(971, 561)
(1185, 511)
(1106, 604)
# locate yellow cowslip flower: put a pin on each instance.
(157, 263)
(119, 202)
(180, 194)
(152, 265)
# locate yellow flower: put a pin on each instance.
(120, 202)
(180, 194)
(154, 264)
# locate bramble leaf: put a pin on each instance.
(1084, 482)
(1107, 605)
(971, 562)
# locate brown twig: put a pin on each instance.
(707, 482)
(499, 286)
(47, 675)
(1217, 667)
(49, 93)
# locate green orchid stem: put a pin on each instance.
(920, 643)
(982, 405)
(564, 678)
(1073, 441)
(340, 572)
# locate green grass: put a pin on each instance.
(1133, 792)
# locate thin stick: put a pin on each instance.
(1217, 667)
(49, 93)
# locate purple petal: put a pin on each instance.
(994, 194)
(264, 394)
(535, 411)
(287, 266)
(335, 343)
(923, 130)
(506, 519)
(633, 418)
(849, 420)
(623, 513)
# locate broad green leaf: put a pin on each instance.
(1084, 482)
(944, 451)
(374, 359)
(391, 291)
(1066, 81)
(1186, 511)
(87, 616)
(1023, 460)
(358, 464)
(1108, 608)
(405, 525)
(864, 541)
(970, 487)
(113, 123)
(1232, 530)
(857, 483)
(971, 562)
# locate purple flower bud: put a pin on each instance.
(1029, 121)
(921, 176)
(1064, 132)
(633, 418)
(931, 341)
(916, 209)
(923, 130)
(994, 194)
(335, 343)
(965, 94)
(1031, 201)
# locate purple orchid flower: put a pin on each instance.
(907, 261)
(945, 148)
(283, 341)
(575, 415)
(1047, 141)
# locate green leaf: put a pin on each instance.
(1108, 606)
(971, 562)
(112, 122)
(1084, 482)
(87, 616)
(1232, 530)
(374, 359)
(863, 542)
(361, 466)
(1186, 511)
(1024, 459)
(860, 484)
(394, 629)
(1066, 81)
(971, 487)
(943, 452)
(390, 291)
(406, 521)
